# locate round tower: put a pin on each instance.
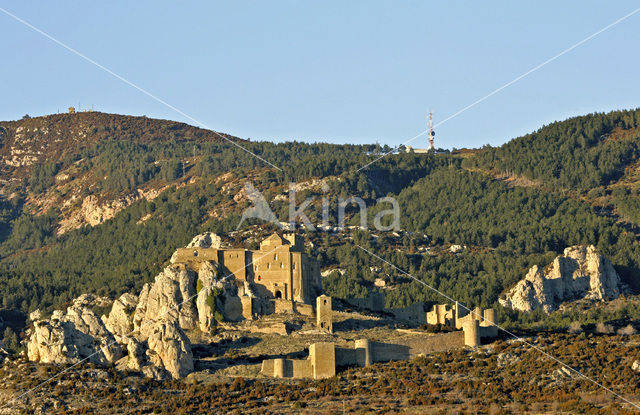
(363, 352)
(489, 316)
(278, 368)
(471, 329)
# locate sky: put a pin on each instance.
(341, 72)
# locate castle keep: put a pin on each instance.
(279, 270)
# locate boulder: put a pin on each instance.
(205, 303)
(216, 294)
(155, 372)
(136, 354)
(580, 273)
(35, 315)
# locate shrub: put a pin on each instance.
(627, 330)
(602, 328)
(575, 328)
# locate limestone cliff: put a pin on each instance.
(580, 273)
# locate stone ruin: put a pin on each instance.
(475, 323)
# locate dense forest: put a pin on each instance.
(451, 199)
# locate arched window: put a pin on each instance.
(195, 253)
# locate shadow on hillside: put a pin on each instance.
(352, 323)
(203, 363)
(202, 350)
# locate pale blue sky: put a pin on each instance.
(342, 72)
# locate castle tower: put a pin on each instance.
(323, 360)
(296, 241)
(363, 352)
(489, 316)
(471, 328)
(324, 313)
(489, 324)
(477, 313)
(278, 368)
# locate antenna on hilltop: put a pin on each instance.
(431, 133)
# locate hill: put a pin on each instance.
(97, 202)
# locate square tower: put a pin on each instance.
(324, 313)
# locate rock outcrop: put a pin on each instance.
(580, 273)
(205, 302)
(170, 349)
(73, 336)
(217, 297)
(206, 240)
(170, 297)
(148, 329)
(120, 319)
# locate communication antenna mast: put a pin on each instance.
(431, 133)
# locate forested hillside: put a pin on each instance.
(179, 181)
(579, 153)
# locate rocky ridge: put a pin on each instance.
(580, 273)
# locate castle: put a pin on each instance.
(279, 270)
(280, 277)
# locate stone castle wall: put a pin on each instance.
(325, 358)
